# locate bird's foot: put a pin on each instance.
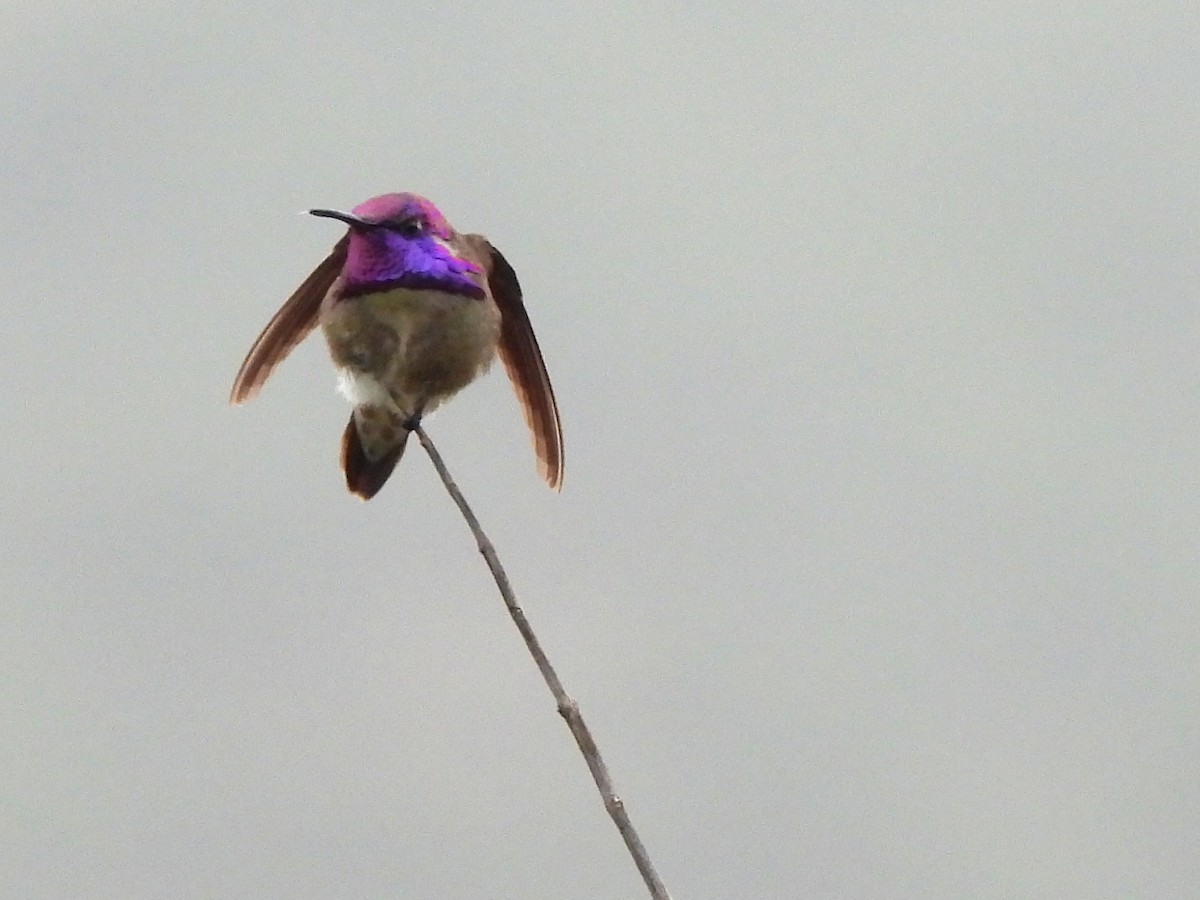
(413, 421)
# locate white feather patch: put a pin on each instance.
(362, 389)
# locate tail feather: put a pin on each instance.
(372, 444)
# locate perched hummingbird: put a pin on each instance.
(413, 312)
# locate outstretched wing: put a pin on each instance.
(523, 361)
(288, 327)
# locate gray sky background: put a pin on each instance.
(874, 328)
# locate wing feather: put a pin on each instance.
(523, 361)
(288, 327)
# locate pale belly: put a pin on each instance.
(412, 348)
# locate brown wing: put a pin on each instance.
(288, 327)
(523, 361)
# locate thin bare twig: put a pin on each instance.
(567, 707)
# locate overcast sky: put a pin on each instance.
(874, 329)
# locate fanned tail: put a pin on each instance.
(372, 444)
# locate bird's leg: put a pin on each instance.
(413, 420)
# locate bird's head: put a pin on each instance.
(402, 241)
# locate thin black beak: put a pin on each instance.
(351, 220)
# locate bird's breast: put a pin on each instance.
(416, 343)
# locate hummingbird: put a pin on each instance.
(412, 312)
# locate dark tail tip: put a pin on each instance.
(364, 476)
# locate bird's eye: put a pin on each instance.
(411, 227)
